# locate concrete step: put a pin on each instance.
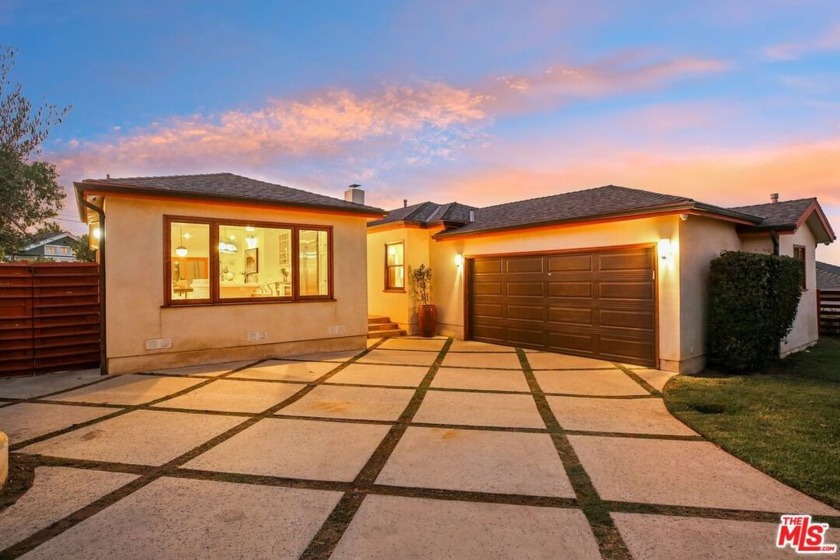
(383, 327)
(375, 319)
(382, 334)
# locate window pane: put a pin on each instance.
(254, 262)
(190, 257)
(394, 255)
(314, 263)
(395, 277)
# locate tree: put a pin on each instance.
(29, 191)
(82, 249)
(49, 227)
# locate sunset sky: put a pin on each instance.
(476, 101)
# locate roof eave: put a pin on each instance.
(108, 187)
(698, 209)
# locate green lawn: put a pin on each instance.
(784, 421)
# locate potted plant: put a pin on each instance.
(422, 286)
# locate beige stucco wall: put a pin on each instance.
(702, 241)
(805, 330)
(135, 293)
(399, 306)
(449, 279)
(757, 244)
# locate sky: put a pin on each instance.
(480, 102)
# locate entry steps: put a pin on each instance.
(379, 326)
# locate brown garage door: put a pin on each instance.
(600, 304)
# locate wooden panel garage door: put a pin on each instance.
(600, 304)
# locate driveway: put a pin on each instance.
(414, 448)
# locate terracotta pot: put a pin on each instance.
(427, 317)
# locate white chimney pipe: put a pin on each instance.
(354, 194)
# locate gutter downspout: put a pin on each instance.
(774, 235)
(103, 355)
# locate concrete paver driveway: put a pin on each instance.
(414, 448)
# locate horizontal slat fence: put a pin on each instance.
(828, 306)
(49, 317)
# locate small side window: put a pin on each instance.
(395, 266)
(799, 254)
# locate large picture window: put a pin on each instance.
(218, 261)
(395, 266)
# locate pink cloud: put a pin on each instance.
(415, 124)
(829, 41)
(619, 74)
(322, 125)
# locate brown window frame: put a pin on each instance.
(215, 298)
(800, 250)
(388, 287)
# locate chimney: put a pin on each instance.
(405, 203)
(354, 194)
(472, 216)
(774, 198)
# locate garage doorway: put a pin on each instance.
(598, 303)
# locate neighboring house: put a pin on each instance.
(48, 246)
(828, 276)
(219, 267)
(611, 272)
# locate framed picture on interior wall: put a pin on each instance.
(252, 263)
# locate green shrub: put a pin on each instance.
(753, 300)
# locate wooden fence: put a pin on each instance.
(49, 317)
(828, 306)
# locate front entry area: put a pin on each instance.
(598, 303)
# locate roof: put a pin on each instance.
(428, 213)
(45, 237)
(828, 276)
(220, 186)
(778, 214)
(589, 204)
(790, 215)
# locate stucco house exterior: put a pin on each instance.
(609, 272)
(219, 267)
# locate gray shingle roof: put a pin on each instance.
(778, 214)
(593, 203)
(828, 276)
(426, 213)
(225, 186)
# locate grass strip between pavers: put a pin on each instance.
(610, 542)
(152, 473)
(327, 537)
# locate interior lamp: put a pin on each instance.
(181, 251)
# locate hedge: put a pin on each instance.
(753, 300)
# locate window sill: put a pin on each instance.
(394, 290)
(246, 302)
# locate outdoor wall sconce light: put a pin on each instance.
(459, 258)
(97, 233)
(664, 249)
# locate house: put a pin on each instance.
(828, 276)
(219, 267)
(48, 245)
(610, 272)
